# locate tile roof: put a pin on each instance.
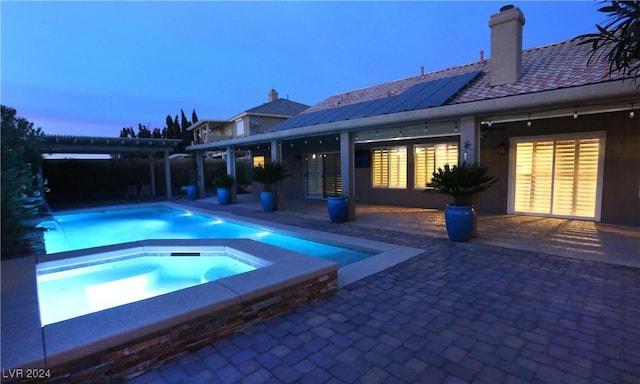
(282, 107)
(555, 66)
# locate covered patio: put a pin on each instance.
(580, 239)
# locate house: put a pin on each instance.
(250, 122)
(559, 132)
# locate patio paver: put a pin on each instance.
(456, 313)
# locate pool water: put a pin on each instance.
(77, 290)
(105, 227)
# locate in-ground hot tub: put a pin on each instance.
(73, 287)
(125, 340)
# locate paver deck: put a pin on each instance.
(501, 309)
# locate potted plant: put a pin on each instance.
(267, 175)
(223, 184)
(462, 182)
(338, 207)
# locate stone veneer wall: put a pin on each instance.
(152, 351)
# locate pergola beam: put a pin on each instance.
(50, 144)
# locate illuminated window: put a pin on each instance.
(430, 157)
(389, 167)
(558, 176)
(258, 161)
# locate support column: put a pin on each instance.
(231, 171)
(167, 174)
(470, 153)
(469, 141)
(276, 155)
(347, 171)
(152, 173)
(200, 175)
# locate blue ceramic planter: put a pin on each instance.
(224, 196)
(459, 221)
(268, 201)
(192, 192)
(338, 207)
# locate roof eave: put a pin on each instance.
(563, 97)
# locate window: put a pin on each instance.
(558, 175)
(323, 177)
(258, 161)
(239, 127)
(430, 157)
(389, 167)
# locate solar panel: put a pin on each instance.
(450, 89)
(422, 95)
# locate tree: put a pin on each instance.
(20, 180)
(619, 39)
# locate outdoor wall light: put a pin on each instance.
(575, 114)
(502, 148)
(529, 121)
(632, 114)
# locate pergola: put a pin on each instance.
(51, 144)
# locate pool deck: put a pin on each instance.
(530, 300)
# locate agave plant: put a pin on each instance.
(462, 181)
(268, 174)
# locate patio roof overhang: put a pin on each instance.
(96, 145)
(593, 98)
(210, 123)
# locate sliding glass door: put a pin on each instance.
(322, 175)
(558, 175)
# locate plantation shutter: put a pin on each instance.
(576, 171)
(398, 167)
(424, 160)
(379, 168)
(314, 176)
(557, 177)
(534, 165)
(332, 175)
(428, 158)
(389, 167)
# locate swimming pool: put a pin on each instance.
(86, 229)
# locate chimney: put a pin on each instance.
(506, 45)
(273, 95)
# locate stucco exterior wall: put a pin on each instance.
(621, 178)
(408, 197)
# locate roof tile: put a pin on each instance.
(561, 65)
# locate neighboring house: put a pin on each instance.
(250, 122)
(559, 133)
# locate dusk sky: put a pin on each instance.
(92, 68)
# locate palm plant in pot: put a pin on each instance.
(267, 175)
(462, 182)
(223, 184)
